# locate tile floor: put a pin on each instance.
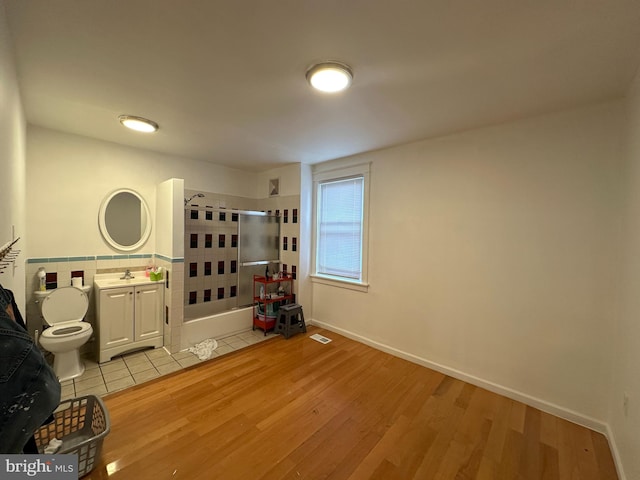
(138, 367)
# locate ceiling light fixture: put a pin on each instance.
(330, 77)
(138, 124)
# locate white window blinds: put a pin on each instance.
(340, 220)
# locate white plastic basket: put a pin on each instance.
(81, 424)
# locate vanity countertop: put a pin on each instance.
(114, 280)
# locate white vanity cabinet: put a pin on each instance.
(129, 317)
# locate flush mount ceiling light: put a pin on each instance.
(138, 124)
(330, 77)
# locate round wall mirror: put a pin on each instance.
(125, 220)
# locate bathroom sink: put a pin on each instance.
(127, 281)
(109, 281)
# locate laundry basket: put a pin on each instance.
(81, 423)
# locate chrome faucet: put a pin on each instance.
(127, 275)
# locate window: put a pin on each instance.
(341, 225)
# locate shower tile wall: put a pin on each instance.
(210, 259)
(288, 210)
(199, 285)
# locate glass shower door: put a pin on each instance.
(258, 248)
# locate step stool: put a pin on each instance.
(290, 320)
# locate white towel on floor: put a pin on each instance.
(204, 349)
(53, 447)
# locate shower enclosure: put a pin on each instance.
(224, 249)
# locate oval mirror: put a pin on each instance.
(125, 220)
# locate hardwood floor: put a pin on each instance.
(298, 409)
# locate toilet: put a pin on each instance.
(64, 309)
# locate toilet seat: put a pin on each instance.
(66, 329)
(65, 305)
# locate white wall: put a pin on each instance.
(69, 175)
(493, 253)
(12, 164)
(289, 176)
(305, 288)
(626, 349)
(169, 222)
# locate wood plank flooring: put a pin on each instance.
(298, 409)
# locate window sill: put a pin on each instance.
(333, 282)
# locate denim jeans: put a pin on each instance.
(29, 390)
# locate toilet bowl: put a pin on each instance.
(63, 309)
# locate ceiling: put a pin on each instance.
(225, 79)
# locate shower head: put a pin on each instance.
(187, 200)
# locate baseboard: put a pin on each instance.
(616, 453)
(538, 403)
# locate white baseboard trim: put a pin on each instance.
(616, 454)
(548, 407)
